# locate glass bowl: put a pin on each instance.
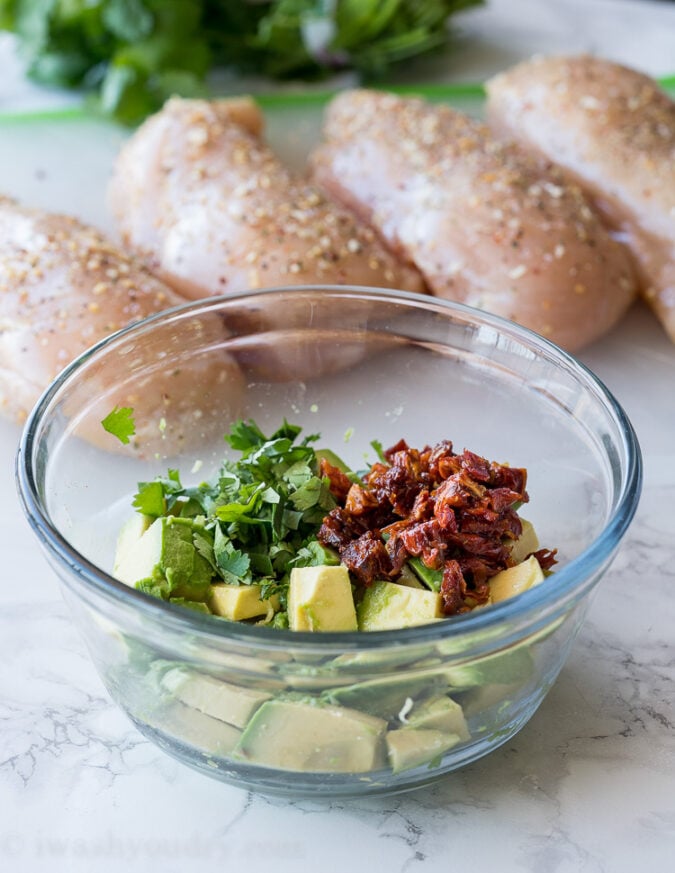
(355, 365)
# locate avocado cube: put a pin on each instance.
(320, 599)
(239, 602)
(130, 533)
(164, 551)
(409, 578)
(526, 543)
(386, 606)
(230, 703)
(512, 665)
(439, 713)
(209, 735)
(410, 748)
(387, 697)
(308, 737)
(515, 580)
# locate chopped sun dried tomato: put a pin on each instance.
(456, 512)
(338, 482)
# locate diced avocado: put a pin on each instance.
(409, 748)
(526, 543)
(386, 606)
(512, 665)
(320, 599)
(336, 461)
(309, 737)
(365, 662)
(477, 701)
(164, 561)
(430, 578)
(515, 580)
(387, 697)
(194, 605)
(190, 726)
(239, 602)
(221, 700)
(130, 533)
(441, 714)
(108, 640)
(408, 578)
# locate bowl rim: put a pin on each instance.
(537, 602)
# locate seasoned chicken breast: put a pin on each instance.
(197, 192)
(64, 287)
(615, 131)
(485, 223)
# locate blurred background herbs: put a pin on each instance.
(133, 54)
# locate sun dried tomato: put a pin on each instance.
(477, 468)
(425, 540)
(456, 512)
(367, 559)
(453, 589)
(339, 528)
(338, 482)
(359, 501)
(546, 558)
(514, 478)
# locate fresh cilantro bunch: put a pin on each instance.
(133, 54)
(260, 516)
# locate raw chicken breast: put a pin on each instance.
(64, 287)
(485, 223)
(615, 131)
(198, 194)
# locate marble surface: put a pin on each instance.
(588, 785)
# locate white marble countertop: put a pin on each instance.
(588, 785)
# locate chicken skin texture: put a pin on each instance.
(205, 201)
(63, 288)
(614, 130)
(485, 223)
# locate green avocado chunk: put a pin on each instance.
(195, 728)
(388, 696)
(163, 560)
(388, 606)
(513, 665)
(310, 737)
(432, 579)
(439, 713)
(409, 748)
(222, 700)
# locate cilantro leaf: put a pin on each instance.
(308, 495)
(150, 499)
(245, 436)
(133, 54)
(234, 563)
(379, 451)
(120, 423)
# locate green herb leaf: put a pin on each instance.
(379, 451)
(150, 499)
(133, 54)
(245, 436)
(120, 423)
(234, 563)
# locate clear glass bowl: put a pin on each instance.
(355, 365)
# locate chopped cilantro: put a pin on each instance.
(150, 499)
(257, 518)
(133, 54)
(379, 451)
(120, 423)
